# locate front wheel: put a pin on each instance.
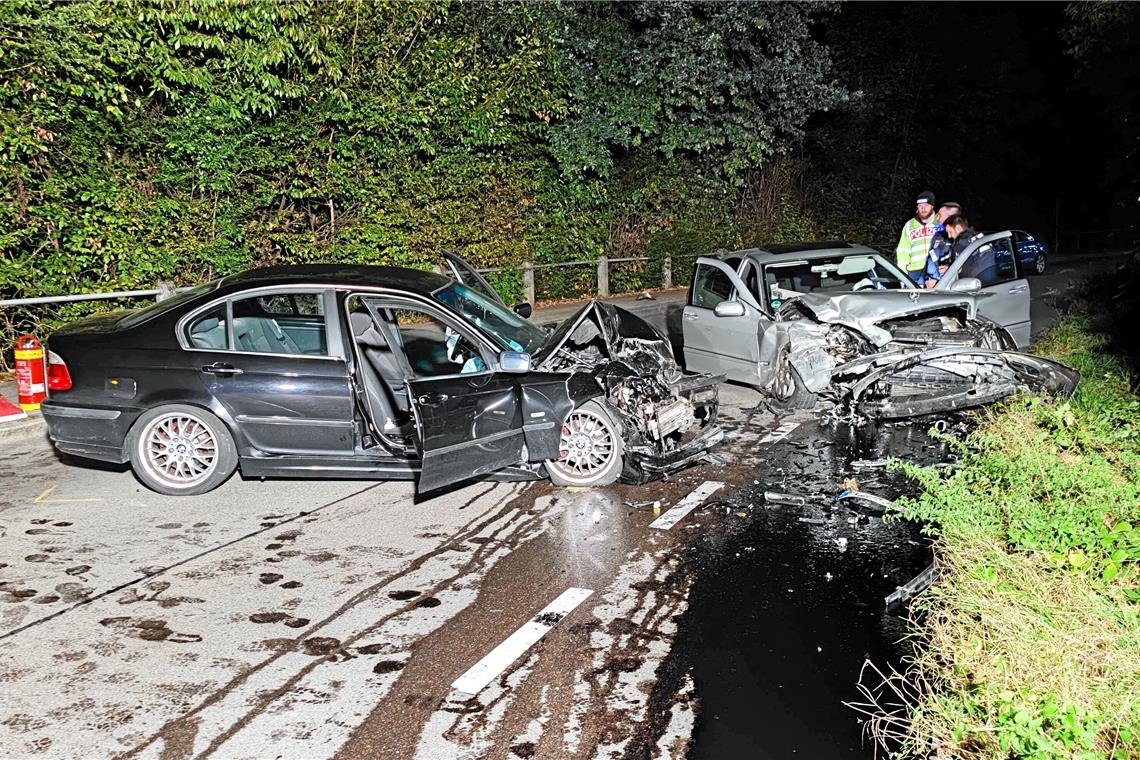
(787, 391)
(590, 449)
(181, 450)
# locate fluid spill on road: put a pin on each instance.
(787, 601)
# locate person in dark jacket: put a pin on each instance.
(940, 260)
(983, 264)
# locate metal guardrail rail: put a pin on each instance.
(528, 269)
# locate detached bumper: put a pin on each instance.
(644, 463)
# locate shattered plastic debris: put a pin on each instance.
(789, 499)
(841, 544)
(868, 498)
(914, 586)
(646, 296)
(812, 520)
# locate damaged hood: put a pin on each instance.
(616, 325)
(864, 310)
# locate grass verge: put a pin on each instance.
(1030, 641)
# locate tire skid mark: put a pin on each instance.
(152, 572)
(597, 693)
(289, 690)
(470, 529)
(487, 554)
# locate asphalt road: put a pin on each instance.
(319, 619)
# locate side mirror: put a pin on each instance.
(524, 310)
(729, 309)
(513, 361)
(967, 285)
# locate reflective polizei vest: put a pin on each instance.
(914, 244)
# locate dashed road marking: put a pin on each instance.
(43, 499)
(499, 659)
(780, 433)
(686, 505)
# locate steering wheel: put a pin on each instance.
(863, 284)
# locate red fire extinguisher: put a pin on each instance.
(30, 373)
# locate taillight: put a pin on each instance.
(58, 378)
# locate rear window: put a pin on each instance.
(138, 316)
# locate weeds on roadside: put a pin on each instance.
(1031, 639)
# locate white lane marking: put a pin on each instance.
(488, 669)
(780, 433)
(686, 505)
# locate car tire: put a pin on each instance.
(787, 392)
(590, 449)
(181, 450)
(1039, 264)
(993, 336)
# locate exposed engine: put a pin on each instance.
(640, 379)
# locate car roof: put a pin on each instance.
(414, 280)
(817, 249)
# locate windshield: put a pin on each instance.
(139, 316)
(833, 274)
(510, 330)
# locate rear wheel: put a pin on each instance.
(590, 449)
(1039, 264)
(181, 450)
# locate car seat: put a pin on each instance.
(209, 334)
(381, 362)
(263, 335)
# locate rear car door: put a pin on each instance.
(1004, 297)
(728, 345)
(287, 391)
(468, 413)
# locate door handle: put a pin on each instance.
(691, 315)
(431, 399)
(221, 368)
(1019, 289)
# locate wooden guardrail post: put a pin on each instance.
(667, 272)
(528, 281)
(603, 276)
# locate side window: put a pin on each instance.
(431, 347)
(993, 263)
(280, 323)
(292, 304)
(208, 330)
(710, 287)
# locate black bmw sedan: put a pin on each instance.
(372, 372)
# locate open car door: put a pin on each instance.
(466, 274)
(467, 426)
(721, 323)
(1004, 295)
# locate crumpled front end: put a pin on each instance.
(911, 361)
(668, 417)
(908, 384)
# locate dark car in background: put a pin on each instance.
(1032, 253)
(372, 372)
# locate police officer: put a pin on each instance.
(913, 250)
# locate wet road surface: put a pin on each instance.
(316, 619)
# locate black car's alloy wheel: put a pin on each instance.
(180, 449)
(1039, 264)
(590, 449)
